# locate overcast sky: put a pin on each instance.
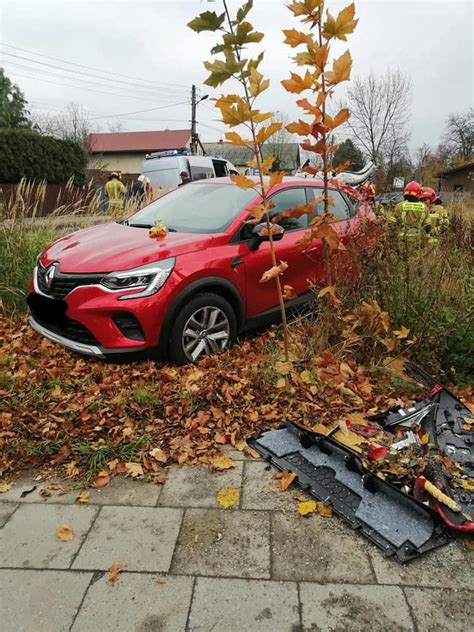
(158, 57)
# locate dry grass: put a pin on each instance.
(24, 233)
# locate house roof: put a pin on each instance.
(139, 141)
(239, 156)
(468, 165)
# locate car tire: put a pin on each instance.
(211, 325)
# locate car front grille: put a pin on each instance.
(70, 329)
(50, 313)
(63, 283)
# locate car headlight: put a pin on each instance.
(150, 278)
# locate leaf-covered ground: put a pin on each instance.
(78, 417)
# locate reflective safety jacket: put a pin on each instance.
(411, 217)
(114, 189)
(437, 218)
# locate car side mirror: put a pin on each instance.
(260, 234)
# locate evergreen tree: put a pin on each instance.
(348, 151)
(13, 111)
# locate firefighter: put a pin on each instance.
(437, 217)
(411, 214)
(368, 191)
(115, 191)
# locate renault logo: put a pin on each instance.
(50, 274)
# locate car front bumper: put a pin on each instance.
(79, 347)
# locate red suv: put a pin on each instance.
(111, 289)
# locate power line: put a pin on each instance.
(141, 111)
(211, 127)
(95, 91)
(135, 87)
(108, 72)
(57, 110)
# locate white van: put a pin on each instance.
(163, 167)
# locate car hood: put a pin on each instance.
(111, 247)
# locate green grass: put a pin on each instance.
(19, 247)
(97, 456)
(145, 396)
(44, 448)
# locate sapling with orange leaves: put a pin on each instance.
(320, 78)
(240, 111)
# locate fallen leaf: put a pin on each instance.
(159, 455)
(251, 452)
(306, 507)
(5, 487)
(306, 376)
(469, 542)
(114, 572)
(324, 510)
(222, 462)
(286, 478)
(159, 478)
(83, 497)
(135, 470)
(101, 481)
(402, 332)
(425, 438)
(228, 497)
(65, 533)
(283, 366)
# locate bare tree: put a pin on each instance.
(73, 124)
(116, 126)
(458, 136)
(279, 146)
(380, 110)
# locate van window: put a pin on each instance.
(201, 173)
(220, 168)
(164, 178)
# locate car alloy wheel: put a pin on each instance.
(206, 331)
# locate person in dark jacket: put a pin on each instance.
(138, 190)
(184, 175)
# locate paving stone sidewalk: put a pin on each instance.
(191, 565)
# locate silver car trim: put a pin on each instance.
(65, 342)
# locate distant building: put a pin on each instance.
(288, 154)
(126, 151)
(457, 182)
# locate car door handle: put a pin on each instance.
(236, 261)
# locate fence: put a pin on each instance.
(46, 198)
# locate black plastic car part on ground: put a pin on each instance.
(404, 520)
(396, 523)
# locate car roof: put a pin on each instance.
(286, 180)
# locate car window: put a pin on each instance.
(352, 202)
(288, 199)
(340, 209)
(196, 208)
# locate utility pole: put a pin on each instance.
(194, 135)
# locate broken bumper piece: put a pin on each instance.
(395, 522)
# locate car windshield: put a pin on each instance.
(196, 208)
